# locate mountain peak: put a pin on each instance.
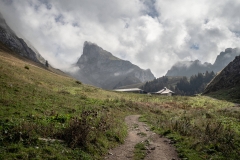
(93, 51)
(224, 58)
(89, 43)
(100, 68)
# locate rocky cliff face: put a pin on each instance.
(189, 68)
(228, 78)
(16, 44)
(224, 58)
(100, 68)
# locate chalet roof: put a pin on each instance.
(165, 90)
(129, 90)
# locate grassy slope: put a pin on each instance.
(200, 127)
(232, 94)
(36, 103)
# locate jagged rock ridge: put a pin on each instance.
(100, 68)
(189, 68)
(16, 44)
(224, 58)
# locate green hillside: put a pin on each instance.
(37, 105)
(48, 115)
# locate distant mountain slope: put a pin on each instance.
(16, 44)
(100, 68)
(226, 85)
(189, 68)
(8, 53)
(228, 78)
(11, 45)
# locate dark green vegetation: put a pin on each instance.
(195, 85)
(160, 83)
(45, 115)
(229, 94)
(180, 85)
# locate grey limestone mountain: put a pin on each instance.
(16, 44)
(224, 58)
(189, 68)
(100, 68)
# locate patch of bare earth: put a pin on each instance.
(158, 149)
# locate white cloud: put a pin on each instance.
(152, 34)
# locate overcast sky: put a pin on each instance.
(152, 34)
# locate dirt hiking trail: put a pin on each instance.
(158, 149)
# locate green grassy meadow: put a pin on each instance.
(45, 115)
(231, 94)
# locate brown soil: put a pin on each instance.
(159, 148)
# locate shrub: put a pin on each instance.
(26, 67)
(82, 130)
(13, 132)
(78, 82)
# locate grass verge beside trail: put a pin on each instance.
(200, 127)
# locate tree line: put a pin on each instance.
(181, 86)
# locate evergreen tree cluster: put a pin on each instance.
(157, 84)
(196, 84)
(182, 85)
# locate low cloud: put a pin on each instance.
(152, 34)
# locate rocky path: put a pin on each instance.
(158, 148)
